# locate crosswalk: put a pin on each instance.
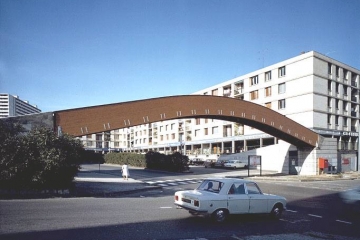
(174, 182)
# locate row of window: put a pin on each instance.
(255, 94)
(255, 79)
(346, 73)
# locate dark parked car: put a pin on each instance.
(220, 163)
(196, 161)
(209, 163)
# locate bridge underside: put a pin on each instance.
(88, 120)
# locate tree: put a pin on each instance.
(37, 159)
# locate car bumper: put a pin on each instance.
(201, 212)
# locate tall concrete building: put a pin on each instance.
(12, 106)
(312, 89)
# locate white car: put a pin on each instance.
(235, 164)
(219, 197)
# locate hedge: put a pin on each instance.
(175, 162)
(132, 159)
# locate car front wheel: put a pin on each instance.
(276, 212)
(220, 215)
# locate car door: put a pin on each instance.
(238, 200)
(257, 200)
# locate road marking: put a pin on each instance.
(288, 210)
(343, 222)
(165, 207)
(317, 216)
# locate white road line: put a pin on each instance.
(172, 184)
(343, 222)
(317, 216)
(165, 207)
(288, 210)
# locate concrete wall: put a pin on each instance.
(33, 120)
(276, 157)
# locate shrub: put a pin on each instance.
(38, 159)
(132, 159)
(175, 162)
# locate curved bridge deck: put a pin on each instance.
(88, 120)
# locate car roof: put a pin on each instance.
(229, 179)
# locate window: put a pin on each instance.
(173, 136)
(282, 71)
(206, 131)
(345, 106)
(329, 68)
(336, 120)
(268, 92)
(268, 76)
(197, 133)
(268, 105)
(197, 121)
(254, 95)
(345, 90)
(237, 188)
(282, 88)
(281, 104)
(172, 126)
(345, 121)
(329, 119)
(337, 104)
(252, 188)
(254, 80)
(215, 130)
(206, 120)
(337, 71)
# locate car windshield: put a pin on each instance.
(211, 186)
(231, 161)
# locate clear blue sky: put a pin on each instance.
(61, 54)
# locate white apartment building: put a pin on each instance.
(12, 106)
(312, 89)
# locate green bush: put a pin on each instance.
(89, 156)
(132, 159)
(175, 162)
(37, 159)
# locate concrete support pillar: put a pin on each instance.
(222, 148)
(245, 145)
(261, 142)
(232, 146)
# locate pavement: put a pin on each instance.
(97, 184)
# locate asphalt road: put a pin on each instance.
(314, 211)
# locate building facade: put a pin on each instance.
(12, 106)
(312, 89)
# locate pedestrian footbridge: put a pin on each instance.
(95, 119)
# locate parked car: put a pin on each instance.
(351, 199)
(209, 163)
(196, 161)
(220, 197)
(220, 163)
(235, 164)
